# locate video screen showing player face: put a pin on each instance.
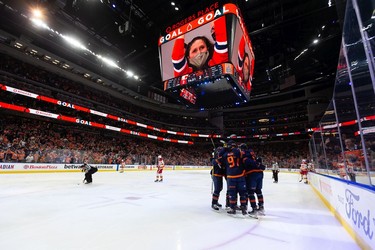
(198, 49)
(242, 57)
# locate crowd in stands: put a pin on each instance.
(29, 140)
(58, 87)
(287, 154)
(42, 141)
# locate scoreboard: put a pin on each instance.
(208, 62)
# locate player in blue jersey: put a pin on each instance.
(235, 178)
(217, 174)
(254, 180)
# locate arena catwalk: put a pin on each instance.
(131, 211)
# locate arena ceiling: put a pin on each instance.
(282, 33)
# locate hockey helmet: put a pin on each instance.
(218, 149)
(232, 143)
(243, 146)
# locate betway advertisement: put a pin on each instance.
(51, 167)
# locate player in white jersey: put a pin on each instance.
(122, 166)
(303, 171)
(159, 172)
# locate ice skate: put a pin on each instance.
(156, 180)
(244, 210)
(260, 211)
(219, 205)
(253, 214)
(232, 211)
(215, 207)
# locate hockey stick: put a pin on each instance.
(213, 144)
(212, 179)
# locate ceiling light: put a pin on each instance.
(74, 42)
(39, 23)
(315, 41)
(300, 54)
(176, 8)
(173, 4)
(77, 44)
(18, 45)
(37, 13)
(129, 73)
(109, 62)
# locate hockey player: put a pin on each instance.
(303, 171)
(89, 171)
(159, 171)
(122, 166)
(275, 171)
(254, 180)
(217, 174)
(235, 178)
(221, 159)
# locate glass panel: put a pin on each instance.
(349, 148)
(356, 155)
(331, 141)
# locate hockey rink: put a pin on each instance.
(131, 211)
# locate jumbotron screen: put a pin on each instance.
(208, 56)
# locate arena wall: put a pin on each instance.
(12, 168)
(351, 203)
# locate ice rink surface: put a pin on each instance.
(131, 211)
